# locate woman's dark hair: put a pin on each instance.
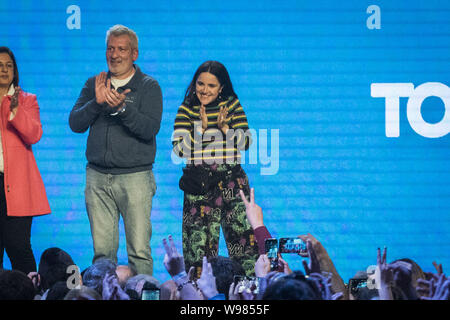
(224, 269)
(16, 70)
(53, 266)
(292, 287)
(216, 68)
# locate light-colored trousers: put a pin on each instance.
(107, 197)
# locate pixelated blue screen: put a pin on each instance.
(304, 72)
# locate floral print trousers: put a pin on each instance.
(222, 206)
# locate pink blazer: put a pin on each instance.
(24, 188)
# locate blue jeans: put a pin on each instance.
(107, 197)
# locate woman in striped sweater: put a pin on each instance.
(210, 130)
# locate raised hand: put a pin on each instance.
(438, 268)
(315, 244)
(174, 264)
(325, 262)
(15, 101)
(112, 289)
(173, 261)
(386, 276)
(35, 278)
(113, 98)
(439, 288)
(222, 119)
(203, 117)
(313, 266)
(253, 211)
(100, 88)
(262, 266)
(207, 282)
(15, 98)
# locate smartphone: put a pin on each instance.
(354, 285)
(150, 292)
(292, 245)
(271, 246)
(246, 283)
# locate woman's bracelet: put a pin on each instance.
(181, 285)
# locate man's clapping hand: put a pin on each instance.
(105, 94)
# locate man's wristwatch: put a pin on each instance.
(122, 110)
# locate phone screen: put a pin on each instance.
(292, 245)
(250, 284)
(150, 294)
(272, 252)
(356, 284)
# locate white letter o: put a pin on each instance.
(414, 115)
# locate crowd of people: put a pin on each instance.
(223, 278)
(122, 109)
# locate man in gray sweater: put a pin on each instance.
(122, 110)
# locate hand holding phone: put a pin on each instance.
(271, 246)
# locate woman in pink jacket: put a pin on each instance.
(22, 192)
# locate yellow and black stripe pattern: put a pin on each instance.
(213, 146)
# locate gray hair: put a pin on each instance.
(120, 30)
(93, 276)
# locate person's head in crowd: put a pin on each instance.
(224, 270)
(292, 287)
(93, 276)
(360, 291)
(124, 273)
(406, 272)
(169, 291)
(15, 285)
(416, 271)
(58, 291)
(134, 285)
(53, 267)
(83, 293)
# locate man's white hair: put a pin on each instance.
(119, 30)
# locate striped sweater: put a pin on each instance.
(213, 147)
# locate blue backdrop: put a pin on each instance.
(302, 70)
